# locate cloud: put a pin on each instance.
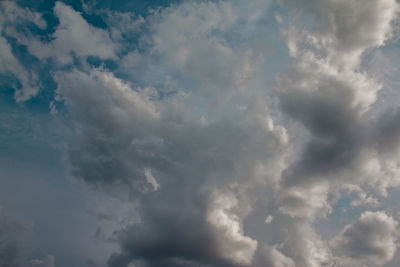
(370, 240)
(195, 146)
(47, 262)
(213, 167)
(13, 17)
(110, 125)
(150, 179)
(276, 259)
(346, 29)
(131, 130)
(327, 93)
(15, 239)
(269, 219)
(11, 240)
(74, 36)
(213, 61)
(226, 226)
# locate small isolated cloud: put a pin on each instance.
(269, 219)
(151, 180)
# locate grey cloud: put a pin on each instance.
(48, 261)
(123, 132)
(15, 240)
(13, 237)
(216, 61)
(348, 28)
(215, 170)
(370, 240)
(326, 93)
(331, 99)
(329, 105)
(388, 131)
(275, 258)
(123, 26)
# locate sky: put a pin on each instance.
(261, 133)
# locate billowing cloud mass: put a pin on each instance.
(230, 133)
(370, 240)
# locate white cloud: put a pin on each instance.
(74, 35)
(269, 219)
(346, 29)
(276, 258)
(151, 180)
(233, 244)
(12, 16)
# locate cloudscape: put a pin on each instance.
(199, 133)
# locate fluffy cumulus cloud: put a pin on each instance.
(220, 146)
